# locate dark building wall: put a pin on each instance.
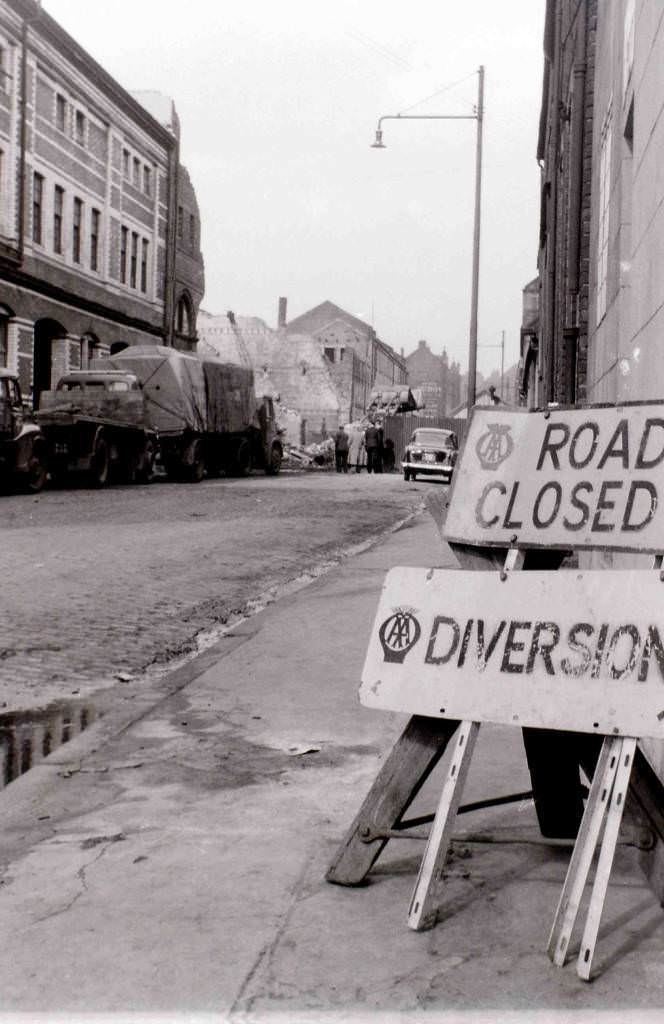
(439, 380)
(565, 153)
(423, 365)
(189, 267)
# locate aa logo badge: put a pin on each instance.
(398, 635)
(494, 445)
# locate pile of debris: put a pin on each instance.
(310, 456)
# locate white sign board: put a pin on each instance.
(573, 650)
(564, 478)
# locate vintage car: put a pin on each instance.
(431, 451)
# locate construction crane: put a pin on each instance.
(241, 346)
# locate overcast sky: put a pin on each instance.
(279, 103)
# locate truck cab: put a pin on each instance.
(94, 424)
(22, 449)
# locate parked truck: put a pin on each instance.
(206, 412)
(94, 425)
(22, 448)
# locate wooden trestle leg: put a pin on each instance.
(410, 762)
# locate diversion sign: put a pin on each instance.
(581, 478)
(582, 651)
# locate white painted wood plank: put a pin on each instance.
(606, 854)
(584, 848)
(422, 912)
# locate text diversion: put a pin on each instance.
(613, 651)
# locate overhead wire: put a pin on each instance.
(438, 92)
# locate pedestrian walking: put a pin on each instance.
(356, 450)
(378, 458)
(341, 443)
(388, 455)
(371, 442)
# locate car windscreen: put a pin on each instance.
(434, 438)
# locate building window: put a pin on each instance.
(144, 265)
(94, 239)
(192, 230)
(329, 354)
(37, 208)
(147, 181)
(79, 127)
(183, 317)
(180, 227)
(137, 172)
(4, 340)
(134, 259)
(60, 112)
(4, 74)
(76, 230)
(604, 200)
(124, 235)
(125, 163)
(58, 205)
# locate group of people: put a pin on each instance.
(358, 446)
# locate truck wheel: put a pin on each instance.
(193, 462)
(35, 478)
(274, 462)
(99, 464)
(145, 466)
(242, 460)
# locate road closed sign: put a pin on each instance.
(563, 478)
(582, 651)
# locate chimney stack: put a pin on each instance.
(283, 302)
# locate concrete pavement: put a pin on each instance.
(170, 860)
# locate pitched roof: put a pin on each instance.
(322, 315)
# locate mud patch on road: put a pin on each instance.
(212, 752)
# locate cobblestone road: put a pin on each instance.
(97, 583)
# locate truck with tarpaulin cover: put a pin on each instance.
(94, 426)
(205, 412)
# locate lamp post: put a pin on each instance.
(478, 116)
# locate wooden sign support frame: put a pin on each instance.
(420, 748)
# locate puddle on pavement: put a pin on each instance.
(27, 737)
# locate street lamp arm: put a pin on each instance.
(379, 144)
(426, 117)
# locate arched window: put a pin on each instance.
(184, 320)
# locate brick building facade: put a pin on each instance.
(359, 361)
(619, 196)
(555, 358)
(293, 368)
(90, 187)
(438, 380)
